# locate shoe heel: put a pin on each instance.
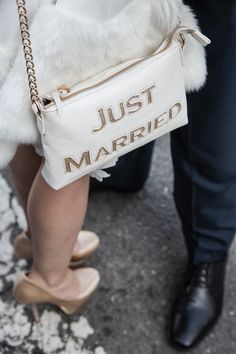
(35, 313)
(71, 308)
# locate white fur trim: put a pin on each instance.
(9, 31)
(4, 65)
(195, 68)
(7, 152)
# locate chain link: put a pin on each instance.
(27, 50)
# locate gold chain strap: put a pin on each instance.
(28, 50)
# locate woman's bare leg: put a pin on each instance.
(24, 168)
(51, 218)
(55, 219)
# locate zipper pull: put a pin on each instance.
(201, 38)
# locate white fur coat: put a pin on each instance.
(75, 39)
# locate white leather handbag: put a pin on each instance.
(86, 126)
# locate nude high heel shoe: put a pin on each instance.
(87, 241)
(27, 292)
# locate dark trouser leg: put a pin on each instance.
(204, 152)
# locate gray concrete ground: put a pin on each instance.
(141, 260)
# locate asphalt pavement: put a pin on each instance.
(141, 260)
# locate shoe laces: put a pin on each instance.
(202, 273)
(198, 276)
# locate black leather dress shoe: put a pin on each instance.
(199, 304)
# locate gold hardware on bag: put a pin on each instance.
(63, 89)
(28, 51)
